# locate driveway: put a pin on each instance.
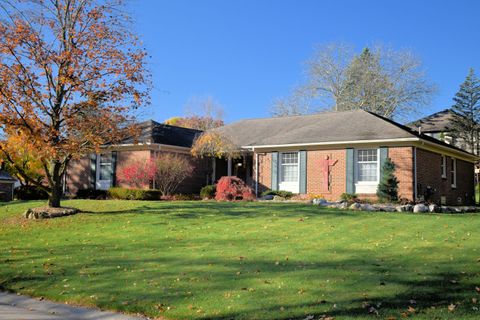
(15, 307)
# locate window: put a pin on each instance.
(289, 167)
(454, 173)
(367, 165)
(444, 167)
(105, 166)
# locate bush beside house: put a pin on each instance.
(230, 188)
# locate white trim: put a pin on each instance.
(292, 186)
(415, 187)
(444, 166)
(256, 173)
(331, 143)
(366, 187)
(453, 170)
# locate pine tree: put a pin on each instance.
(465, 123)
(388, 187)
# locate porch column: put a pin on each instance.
(214, 169)
(229, 168)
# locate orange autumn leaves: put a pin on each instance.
(71, 75)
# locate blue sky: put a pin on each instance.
(247, 53)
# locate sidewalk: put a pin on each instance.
(15, 307)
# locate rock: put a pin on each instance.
(267, 197)
(367, 207)
(343, 205)
(319, 202)
(385, 207)
(419, 208)
(433, 208)
(404, 208)
(278, 198)
(445, 209)
(355, 206)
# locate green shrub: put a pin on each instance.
(91, 194)
(185, 197)
(30, 193)
(349, 196)
(281, 193)
(133, 194)
(208, 192)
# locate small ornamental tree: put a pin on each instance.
(138, 174)
(388, 187)
(170, 171)
(214, 144)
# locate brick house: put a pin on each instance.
(7, 184)
(99, 171)
(331, 153)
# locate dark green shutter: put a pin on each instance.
(274, 171)
(350, 165)
(93, 171)
(303, 172)
(114, 168)
(383, 158)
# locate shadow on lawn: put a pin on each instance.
(197, 209)
(181, 280)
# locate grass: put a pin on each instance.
(206, 260)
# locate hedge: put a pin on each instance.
(133, 194)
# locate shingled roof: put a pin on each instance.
(322, 127)
(437, 122)
(154, 132)
(327, 127)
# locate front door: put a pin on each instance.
(289, 172)
(104, 171)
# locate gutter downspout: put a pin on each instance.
(415, 191)
(256, 172)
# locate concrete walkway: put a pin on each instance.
(15, 307)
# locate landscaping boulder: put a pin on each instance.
(319, 202)
(420, 208)
(367, 207)
(433, 208)
(278, 198)
(355, 206)
(267, 197)
(343, 205)
(404, 208)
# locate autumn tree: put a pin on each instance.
(71, 73)
(202, 113)
(170, 171)
(214, 144)
(387, 82)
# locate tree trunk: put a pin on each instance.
(55, 195)
(56, 186)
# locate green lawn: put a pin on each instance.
(208, 260)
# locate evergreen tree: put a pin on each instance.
(465, 123)
(388, 187)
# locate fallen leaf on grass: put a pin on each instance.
(451, 307)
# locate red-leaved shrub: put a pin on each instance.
(233, 188)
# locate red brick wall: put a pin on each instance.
(315, 179)
(429, 175)
(402, 157)
(264, 171)
(78, 175)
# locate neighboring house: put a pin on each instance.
(100, 171)
(7, 184)
(439, 126)
(328, 154)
